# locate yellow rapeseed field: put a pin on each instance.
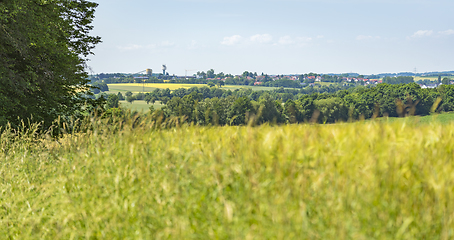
(171, 86)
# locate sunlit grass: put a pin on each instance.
(365, 180)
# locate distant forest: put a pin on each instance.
(205, 106)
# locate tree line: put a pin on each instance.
(281, 94)
(281, 106)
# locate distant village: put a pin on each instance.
(313, 80)
(428, 80)
(310, 80)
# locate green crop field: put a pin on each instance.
(432, 78)
(444, 118)
(140, 105)
(364, 180)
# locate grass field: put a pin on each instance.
(140, 105)
(364, 180)
(444, 118)
(432, 78)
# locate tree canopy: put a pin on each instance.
(44, 47)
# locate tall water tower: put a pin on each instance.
(164, 68)
(149, 72)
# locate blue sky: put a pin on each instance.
(274, 37)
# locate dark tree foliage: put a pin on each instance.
(100, 87)
(241, 106)
(398, 80)
(112, 101)
(43, 50)
(283, 83)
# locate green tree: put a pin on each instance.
(130, 99)
(210, 73)
(112, 101)
(150, 98)
(306, 107)
(447, 94)
(120, 96)
(239, 111)
(220, 83)
(101, 86)
(202, 74)
(331, 110)
(291, 112)
(267, 110)
(44, 46)
(164, 100)
(446, 81)
(128, 94)
(140, 96)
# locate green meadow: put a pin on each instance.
(140, 105)
(444, 118)
(137, 179)
(432, 78)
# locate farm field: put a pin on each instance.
(432, 78)
(443, 118)
(149, 87)
(364, 180)
(140, 105)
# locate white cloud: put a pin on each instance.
(130, 47)
(192, 45)
(231, 40)
(262, 38)
(167, 44)
(151, 46)
(303, 39)
(447, 32)
(422, 33)
(364, 37)
(299, 41)
(286, 40)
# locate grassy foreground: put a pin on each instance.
(367, 180)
